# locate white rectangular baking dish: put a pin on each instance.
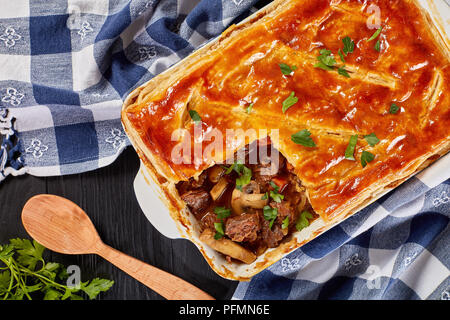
(149, 195)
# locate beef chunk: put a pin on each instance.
(271, 237)
(264, 172)
(208, 220)
(284, 210)
(242, 228)
(197, 200)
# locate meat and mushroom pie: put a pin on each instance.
(353, 105)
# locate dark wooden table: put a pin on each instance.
(107, 196)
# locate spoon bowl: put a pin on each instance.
(59, 224)
(62, 226)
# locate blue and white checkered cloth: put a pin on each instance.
(396, 248)
(65, 68)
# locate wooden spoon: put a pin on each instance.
(62, 226)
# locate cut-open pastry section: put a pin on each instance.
(252, 203)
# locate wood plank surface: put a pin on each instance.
(108, 197)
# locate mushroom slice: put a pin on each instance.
(241, 200)
(218, 188)
(251, 187)
(215, 173)
(227, 247)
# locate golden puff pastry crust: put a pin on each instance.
(410, 68)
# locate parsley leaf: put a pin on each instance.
(285, 223)
(366, 157)
(349, 45)
(372, 139)
(343, 72)
(341, 55)
(274, 185)
(375, 35)
(377, 46)
(326, 58)
(219, 228)
(265, 196)
(5, 279)
(29, 254)
(97, 285)
(394, 108)
(249, 108)
(303, 221)
(289, 101)
(277, 197)
(270, 214)
(303, 138)
(222, 212)
(22, 278)
(323, 66)
(237, 166)
(244, 178)
(195, 116)
(351, 147)
(286, 69)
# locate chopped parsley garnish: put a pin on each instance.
(285, 223)
(270, 214)
(222, 212)
(195, 116)
(372, 139)
(394, 108)
(341, 55)
(273, 185)
(375, 35)
(245, 174)
(219, 228)
(377, 46)
(303, 221)
(277, 197)
(351, 147)
(289, 101)
(249, 108)
(286, 69)
(265, 196)
(237, 166)
(326, 60)
(343, 72)
(303, 138)
(349, 45)
(244, 178)
(366, 157)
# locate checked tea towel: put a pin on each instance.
(65, 67)
(396, 248)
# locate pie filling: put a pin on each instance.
(248, 206)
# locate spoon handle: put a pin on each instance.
(166, 284)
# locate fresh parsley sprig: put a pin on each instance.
(222, 213)
(24, 274)
(328, 62)
(245, 174)
(303, 138)
(274, 194)
(286, 69)
(289, 102)
(270, 214)
(303, 221)
(377, 46)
